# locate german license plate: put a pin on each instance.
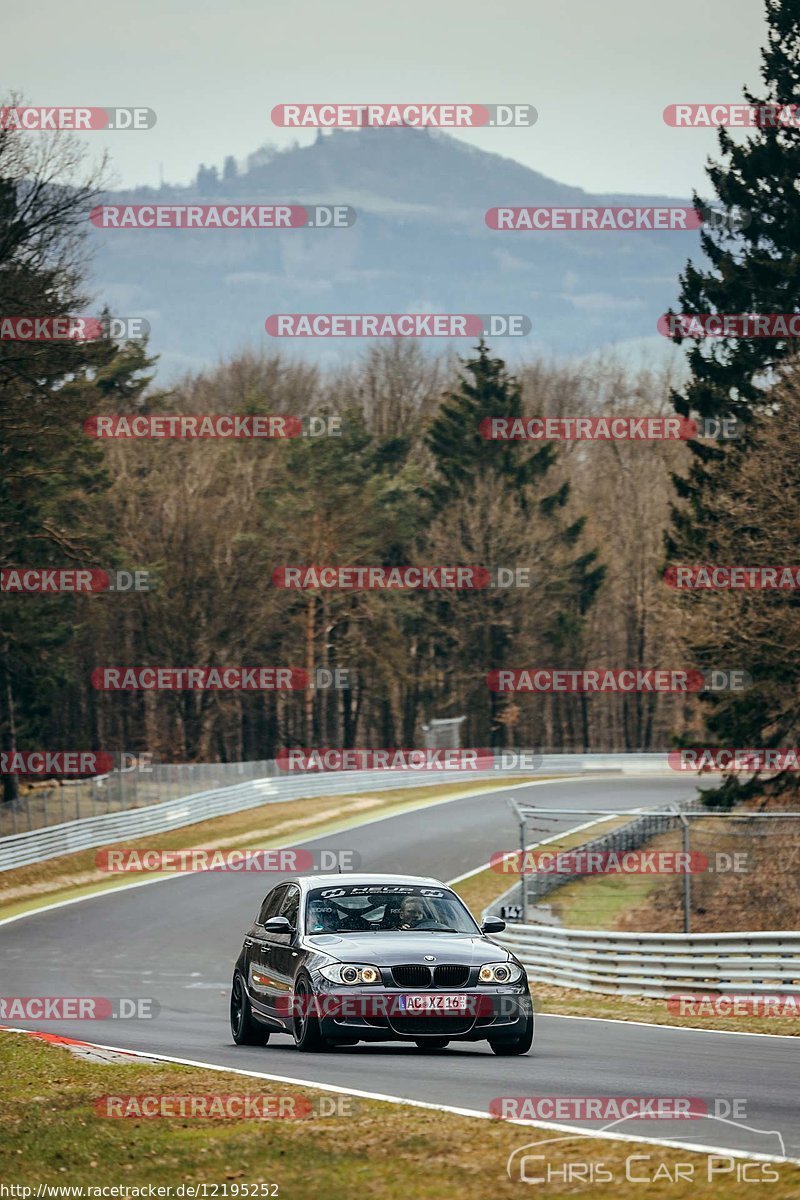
(433, 1004)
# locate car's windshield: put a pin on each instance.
(399, 908)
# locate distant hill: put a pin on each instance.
(419, 244)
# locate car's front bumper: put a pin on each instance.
(497, 1013)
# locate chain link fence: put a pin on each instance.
(143, 784)
(137, 786)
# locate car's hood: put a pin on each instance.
(388, 949)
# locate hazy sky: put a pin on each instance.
(599, 71)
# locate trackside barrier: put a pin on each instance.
(36, 845)
(625, 838)
(657, 964)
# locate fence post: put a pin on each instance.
(687, 878)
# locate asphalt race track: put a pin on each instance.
(177, 941)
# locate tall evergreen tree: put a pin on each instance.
(754, 269)
(461, 453)
(517, 473)
(51, 473)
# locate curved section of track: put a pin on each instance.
(176, 941)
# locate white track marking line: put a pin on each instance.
(126, 887)
(619, 1020)
(448, 1108)
(655, 1025)
(546, 841)
(386, 816)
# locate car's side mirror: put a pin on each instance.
(493, 925)
(279, 925)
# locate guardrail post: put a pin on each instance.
(687, 878)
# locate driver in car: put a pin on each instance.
(412, 912)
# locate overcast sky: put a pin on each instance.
(599, 72)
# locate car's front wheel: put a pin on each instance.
(520, 1045)
(246, 1030)
(307, 1034)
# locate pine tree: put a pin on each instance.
(460, 451)
(755, 269)
(517, 474)
(51, 474)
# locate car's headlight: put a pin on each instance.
(502, 972)
(351, 973)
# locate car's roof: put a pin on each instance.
(351, 877)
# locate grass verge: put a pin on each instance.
(70, 876)
(52, 1135)
(570, 1002)
(482, 887)
(599, 901)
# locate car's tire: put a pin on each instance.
(520, 1045)
(246, 1030)
(305, 1026)
(432, 1043)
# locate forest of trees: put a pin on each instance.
(211, 520)
(409, 480)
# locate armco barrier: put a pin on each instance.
(630, 836)
(36, 845)
(657, 964)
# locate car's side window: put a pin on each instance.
(291, 906)
(272, 903)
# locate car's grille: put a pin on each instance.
(432, 1026)
(412, 975)
(450, 975)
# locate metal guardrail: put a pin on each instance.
(627, 837)
(658, 964)
(138, 785)
(141, 783)
(50, 841)
(24, 848)
(630, 836)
